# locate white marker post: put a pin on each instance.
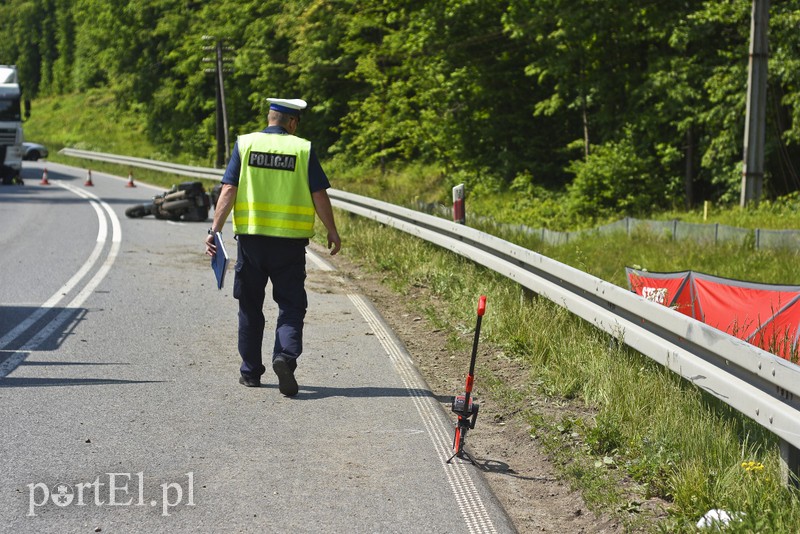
(459, 211)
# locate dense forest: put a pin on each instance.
(616, 105)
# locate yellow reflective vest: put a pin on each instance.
(273, 197)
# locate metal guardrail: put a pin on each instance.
(758, 384)
(128, 161)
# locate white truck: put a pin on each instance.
(10, 125)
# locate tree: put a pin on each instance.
(517, 93)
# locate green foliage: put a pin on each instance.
(614, 179)
(605, 437)
(676, 442)
(485, 91)
(652, 464)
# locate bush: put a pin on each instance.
(615, 179)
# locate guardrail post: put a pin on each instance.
(459, 211)
(790, 464)
(527, 296)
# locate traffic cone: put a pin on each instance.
(44, 181)
(130, 180)
(88, 181)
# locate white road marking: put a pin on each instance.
(469, 501)
(321, 264)
(10, 363)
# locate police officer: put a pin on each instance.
(274, 184)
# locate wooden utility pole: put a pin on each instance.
(223, 143)
(755, 126)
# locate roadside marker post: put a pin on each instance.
(459, 210)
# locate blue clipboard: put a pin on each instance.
(219, 261)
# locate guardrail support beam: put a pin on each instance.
(790, 464)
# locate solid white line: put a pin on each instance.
(102, 232)
(321, 264)
(67, 287)
(116, 240)
(10, 363)
(469, 501)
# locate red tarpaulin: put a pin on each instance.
(763, 314)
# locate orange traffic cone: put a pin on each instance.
(88, 181)
(44, 181)
(130, 180)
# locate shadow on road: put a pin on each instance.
(308, 392)
(21, 382)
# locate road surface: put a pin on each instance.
(120, 405)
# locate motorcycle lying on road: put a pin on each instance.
(187, 201)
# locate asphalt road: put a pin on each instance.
(120, 407)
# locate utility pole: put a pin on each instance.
(755, 126)
(223, 144)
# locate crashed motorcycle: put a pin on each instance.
(187, 201)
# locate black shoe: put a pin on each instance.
(286, 381)
(250, 381)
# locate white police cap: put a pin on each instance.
(292, 106)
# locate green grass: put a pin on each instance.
(91, 121)
(624, 418)
(88, 121)
(778, 214)
(607, 258)
(676, 442)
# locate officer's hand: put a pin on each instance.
(211, 248)
(334, 241)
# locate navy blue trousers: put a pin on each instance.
(282, 261)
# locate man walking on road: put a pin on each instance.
(274, 184)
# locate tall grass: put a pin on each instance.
(92, 121)
(607, 256)
(88, 121)
(778, 214)
(676, 442)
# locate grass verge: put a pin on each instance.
(635, 422)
